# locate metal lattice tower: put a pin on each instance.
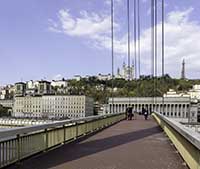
(183, 70)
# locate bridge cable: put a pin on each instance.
(139, 65)
(135, 38)
(163, 49)
(112, 51)
(129, 52)
(152, 46)
(156, 53)
(135, 50)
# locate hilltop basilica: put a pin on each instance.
(125, 72)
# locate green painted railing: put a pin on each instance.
(17, 144)
(186, 141)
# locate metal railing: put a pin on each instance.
(17, 144)
(186, 140)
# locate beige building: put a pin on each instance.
(7, 103)
(195, 92)
(53, 106)
(173, 105)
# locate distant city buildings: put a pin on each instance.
(173, 93)
(43, 87)
(36, 98)
(7, 92)
(8, 103)
(104, 77)
(77, 77)
(60, 86)
(53, 106)
(20, 89)
(125, 72)
(195, 92)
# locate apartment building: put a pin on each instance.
(53, 106)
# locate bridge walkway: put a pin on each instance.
(136, 144)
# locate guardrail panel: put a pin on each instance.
(27, 141)
(187, 150)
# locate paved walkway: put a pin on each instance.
(136, 144)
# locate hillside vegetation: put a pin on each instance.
(143, 87)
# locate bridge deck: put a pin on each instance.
(136, 144)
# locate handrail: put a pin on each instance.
(30, 129)
(19, 143)
(186, 140)
(189, 134)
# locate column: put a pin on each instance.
(170, 108)
(181, 115)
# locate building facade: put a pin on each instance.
(104, 77)
(174, 107)
(53, 106)
(20, 89)
(59, 86)
(195, 92)
(44, 87)
(127, 72)
(8, 103)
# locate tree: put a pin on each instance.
(4, 111)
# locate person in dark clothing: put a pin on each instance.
(143, 111)
(146, 113)
(127, 118)
(130, 113)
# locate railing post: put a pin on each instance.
(85, 122)
(198, 167)
(18, 148)
(76, 135)
(47, 139)
(64, 134)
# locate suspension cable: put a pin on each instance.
(139, 65)
(112, 51)
(135, 38)
(129, 53)
(135, 49)
(163, 49)
(156, 78)
(152, 45)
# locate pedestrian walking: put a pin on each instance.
(130, 113)
(146, 113)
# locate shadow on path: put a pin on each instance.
(74, 151)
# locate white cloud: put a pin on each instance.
(182, 37)
(96, 28)
(87, 25)
(179, 17)
(182, 40)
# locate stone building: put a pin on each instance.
(53, 106)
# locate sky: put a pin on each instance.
(50, 39)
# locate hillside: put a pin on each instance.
(143, 87)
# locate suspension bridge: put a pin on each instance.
(109, 141)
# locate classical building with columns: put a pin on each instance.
(174, 107)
